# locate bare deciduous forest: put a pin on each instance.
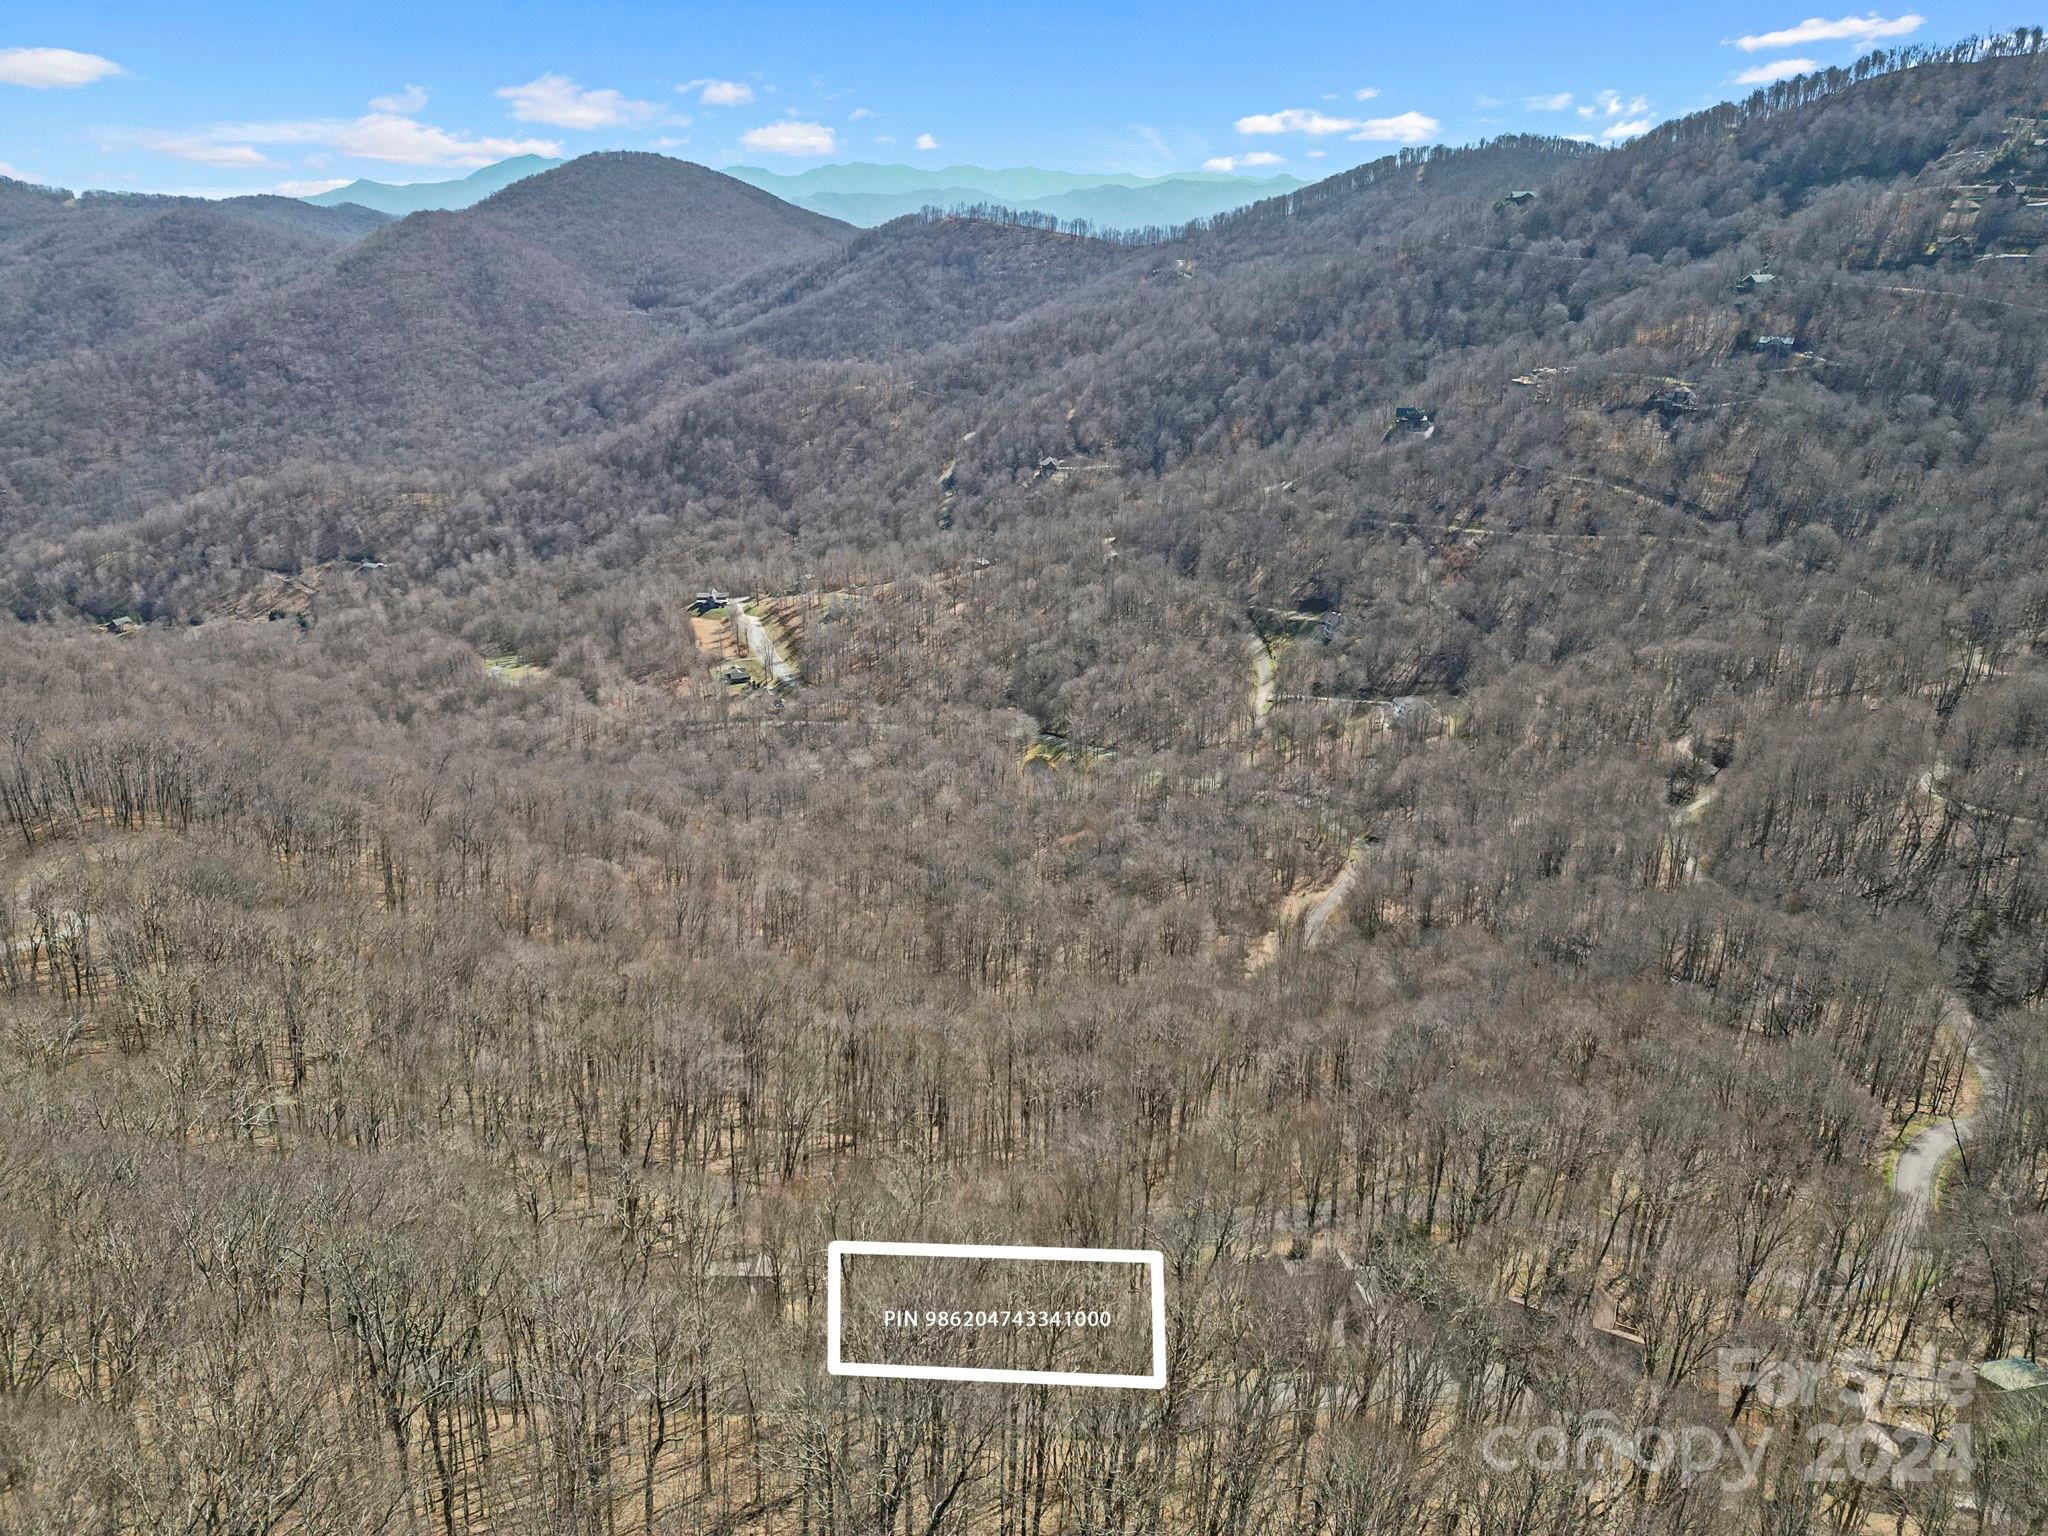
(1470, 769)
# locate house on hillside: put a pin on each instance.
(1755, 282)
(1411, 421)
(706, 602)
(1518, 199)
(124, 625)
(1674, 399)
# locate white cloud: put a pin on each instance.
(1406, 128)
(1581, 138)
(1296, 120)
(792, 138)
(885, 138)
(197, 147)
(1228, 163)
(926, 141)
(1318, 154)
(561, 103)
(1845, 29)
(1559, 102)
(1772, 73)
(858, 113)
(1630, 128)
(404, 103)
(666, 142)
(1365, 93)
(1614, 104)
(377, 136)
(47, 69)
(719, 93)
(405, 142)
(308, 188)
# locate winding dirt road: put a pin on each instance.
(1332, 897)
(1917, 1173)
(1265, 683)
(1311, 910)
(1916, 1176)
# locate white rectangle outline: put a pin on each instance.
(1151, 1258)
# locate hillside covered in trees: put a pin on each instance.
(1468, 766)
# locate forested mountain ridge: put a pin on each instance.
(25, 205)
(1465, 765)
(652, 228)
(1335, 222)
(81, 272)
(442, 381)
(414, 343)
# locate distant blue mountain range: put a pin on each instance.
(867, 195)
(402, 198)
(874, 194)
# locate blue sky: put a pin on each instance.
(216, 97)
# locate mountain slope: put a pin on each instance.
(1286, 334)
(424, 341)
(77, 272)
(653, 229)
(1469, 767)
(895, 292)
(24, 204)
